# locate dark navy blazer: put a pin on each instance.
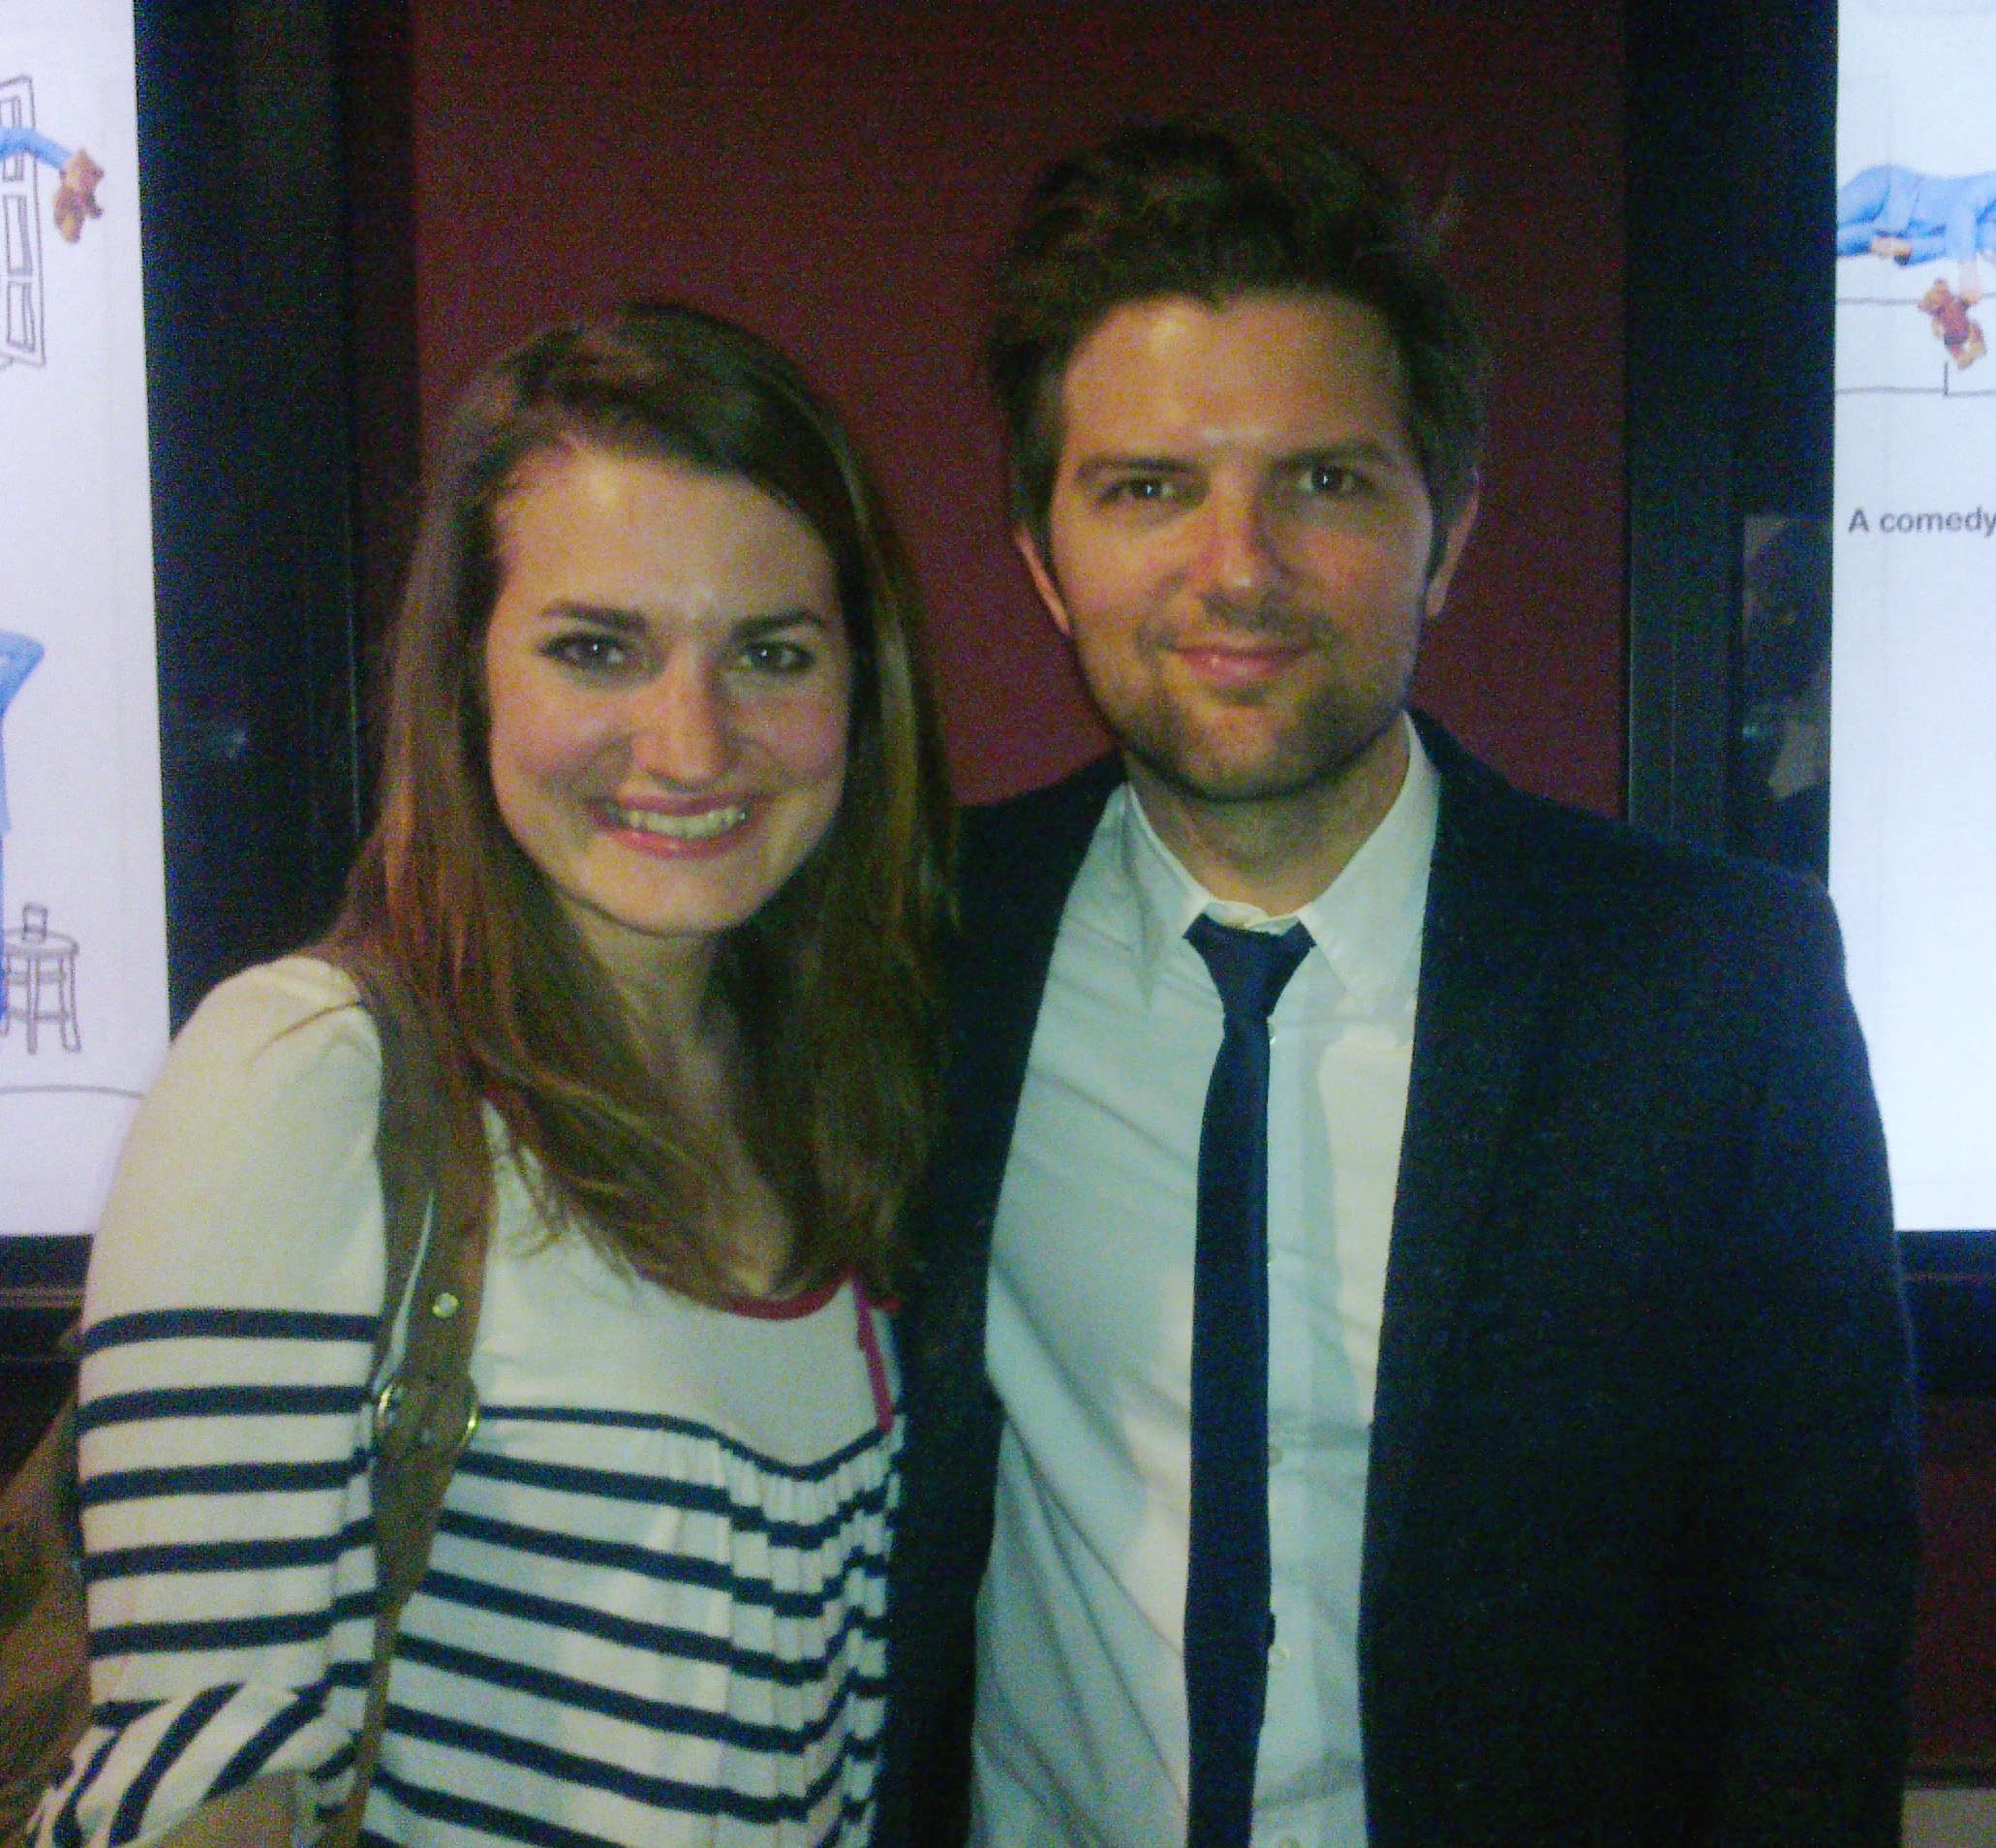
(1639, 1524)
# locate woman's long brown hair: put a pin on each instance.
(832, 984)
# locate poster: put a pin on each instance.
(1912, 698)
(82, 917)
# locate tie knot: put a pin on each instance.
(1250, 968)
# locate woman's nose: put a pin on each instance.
(681, 726)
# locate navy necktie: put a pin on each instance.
(1227, 1621)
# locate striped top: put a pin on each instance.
(653, 1614)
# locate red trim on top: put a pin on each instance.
(785, 1308)
(876, 1362)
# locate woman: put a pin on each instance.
(657, 869)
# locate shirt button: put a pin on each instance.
(1279, 1654)
(1275, 1455)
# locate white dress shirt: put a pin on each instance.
(1080, 1705)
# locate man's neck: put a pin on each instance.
(1277, 855)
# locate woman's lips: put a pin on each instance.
(683, 829)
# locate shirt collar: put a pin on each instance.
(1365, 923)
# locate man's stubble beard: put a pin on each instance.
(1328, 737)
(1332, 729)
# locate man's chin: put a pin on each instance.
(1286, 774)
(1221, 783)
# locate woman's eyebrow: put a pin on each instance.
(632, 624)
(607, 616)
(798, 618)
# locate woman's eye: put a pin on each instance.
(784, 658)
(591, 653)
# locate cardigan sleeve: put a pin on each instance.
(229, 1315)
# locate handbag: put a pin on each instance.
(424, 1411)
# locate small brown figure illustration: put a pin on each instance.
(1952, 326)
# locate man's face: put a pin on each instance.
(1239, 540)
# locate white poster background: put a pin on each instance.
(81, 735)
(1913, 815)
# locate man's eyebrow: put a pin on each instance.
(1095, 467)
(1354, 449)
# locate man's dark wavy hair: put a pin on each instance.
(1215, 207)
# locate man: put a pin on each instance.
(1572, 1342)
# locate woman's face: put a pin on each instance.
(667, 678)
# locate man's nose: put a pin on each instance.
(683, 725)
(1237, 557)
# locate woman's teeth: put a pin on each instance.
(703, 826)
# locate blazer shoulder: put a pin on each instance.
(1076, 800)
(1629, 866)
(1481, 809)
(1029, 843)
(1581, 874)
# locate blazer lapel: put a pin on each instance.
(1484, 954)
(1019, 860)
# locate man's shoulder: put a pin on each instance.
(1579, 871)
(1565, 863)
(1077, 798)
(1036, 841)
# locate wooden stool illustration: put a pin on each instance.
(40, 970)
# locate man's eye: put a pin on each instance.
(589, 651)
(780, 658)
(1332, 479)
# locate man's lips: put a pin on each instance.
(1239, 662)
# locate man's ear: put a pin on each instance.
(1453, 542)
(1042, 574)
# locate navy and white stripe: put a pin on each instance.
(654, 1608)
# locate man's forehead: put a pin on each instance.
(1274, 368)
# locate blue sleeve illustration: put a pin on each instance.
(19, 654)
(1922, 216)
(1972, 216)
(27, 140)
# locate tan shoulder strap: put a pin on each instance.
(426, 1411)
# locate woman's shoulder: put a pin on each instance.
(274, 1027)
(253, 1157)
(275, 997)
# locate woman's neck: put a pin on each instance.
(692, 1040)
(676, 1009)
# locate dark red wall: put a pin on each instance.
(839, 177)
(1954, 1629)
